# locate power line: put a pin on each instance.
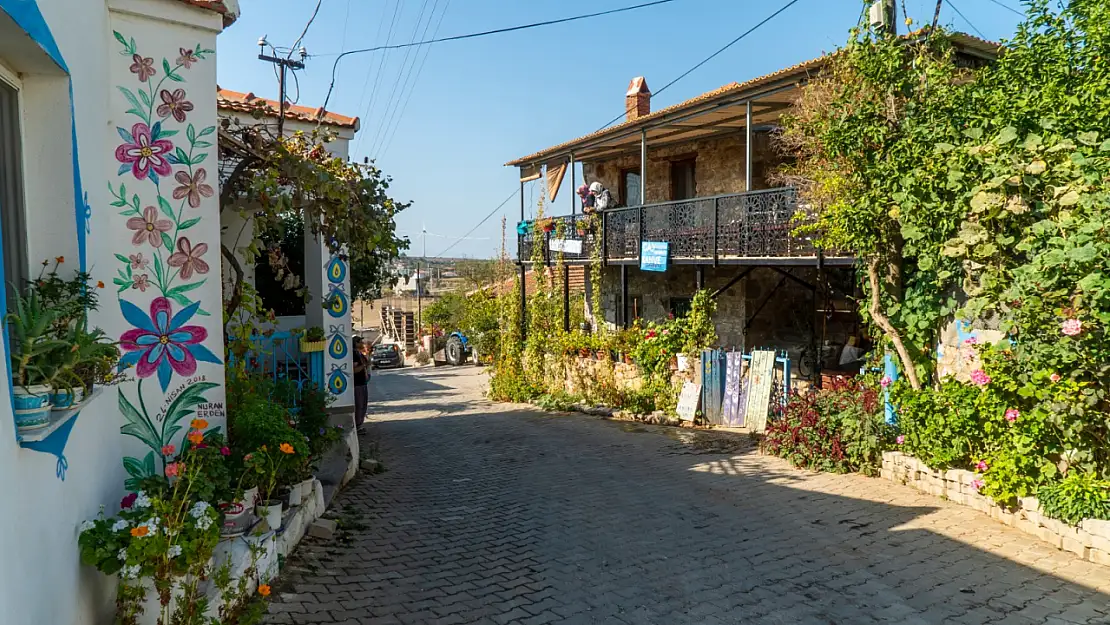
(304, 32)
(711, 56)
(960, 13)
(419, 71)
(381, 66)
(485, 33)
(1008, 8)
(484, 220)
(394, 94)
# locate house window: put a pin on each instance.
(12, 221)
(679, 306)
(630, 187)
(684, 184)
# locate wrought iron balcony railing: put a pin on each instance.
(723, 228)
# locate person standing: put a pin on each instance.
(362, 379)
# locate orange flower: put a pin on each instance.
(199, 424)
(196, 437)
(264, 590)
(286, 448)
(140, 531)
(59, 259)
(100, 284)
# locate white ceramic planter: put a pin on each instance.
(308, 489)
(294, 495)
(271, 512)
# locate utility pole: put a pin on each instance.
(284, 64)
(420, 289)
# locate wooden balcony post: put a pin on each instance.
(716, 217)
(573, 183)
(624, 297)
(566, 297)
(748, 147)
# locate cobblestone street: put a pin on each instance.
(501, 514)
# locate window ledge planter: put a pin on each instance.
(57, 418)
(309, 347)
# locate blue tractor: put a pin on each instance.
(458, 349)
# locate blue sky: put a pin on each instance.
(475, 104)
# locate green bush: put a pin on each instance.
(941, 427)
(1076, 497)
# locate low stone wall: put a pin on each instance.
(1090, 541)
(584, 376)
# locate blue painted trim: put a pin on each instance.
(890, 370)
(26, 14)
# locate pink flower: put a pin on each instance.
(172, 469)
(192, 187)
(224, 451)
(1072, 327)
(174, 104)
(142, 282)
(971, 340)
(980, 377)
(187, 58)
(138, 263)
(981, 466)
(977, 484)
(901, 440)
(143, 151)
(168, 450)
(885, 382)
(1012, 415)
(144, 67)
(148, 227)
(187, 257)
(1055, 377)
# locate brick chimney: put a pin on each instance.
(637, 102)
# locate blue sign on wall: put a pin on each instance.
(654, 255)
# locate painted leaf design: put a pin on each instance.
(184, 406)
(139, 470)
(167, 209)
(138, 424)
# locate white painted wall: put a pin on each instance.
(41, 580)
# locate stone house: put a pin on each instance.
(696, 176)
(94, 96)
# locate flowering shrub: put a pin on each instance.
(163, 534)
(941, 427)
(838, 429)
(1078, 496)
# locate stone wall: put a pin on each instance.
(763, 309)
(719, 167)
(1090, 541)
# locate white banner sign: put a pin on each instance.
(566, 246)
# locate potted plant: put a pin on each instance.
(269, 464)
(313, 340)
(35, 354)
(90, 358)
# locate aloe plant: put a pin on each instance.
(35, 354)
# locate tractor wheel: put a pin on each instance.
(454, 351)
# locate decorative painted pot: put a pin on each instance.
(238, 516)
(271, 512)
(250, 497)
(309, 347)
(32, 406)
(64, 399)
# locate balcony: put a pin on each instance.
(743, 228)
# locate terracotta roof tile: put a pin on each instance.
(960, 39)
(248, 102)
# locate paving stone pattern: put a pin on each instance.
(500, 514)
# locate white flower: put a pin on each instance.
(129, 572)
(174, 551)
(199, 509)
(151, 525)
(122, 555)
(120, 525)
(85, 526)
(142, 501)
(204, 523)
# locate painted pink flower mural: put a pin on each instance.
(143, 66)
(174, 104)
(187, 258)
(162, 343)
(143, 152)
(192, 187)
(149, 228)
(186, 58)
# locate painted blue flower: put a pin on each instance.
(163, 344)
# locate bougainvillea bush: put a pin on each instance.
(838, 429)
